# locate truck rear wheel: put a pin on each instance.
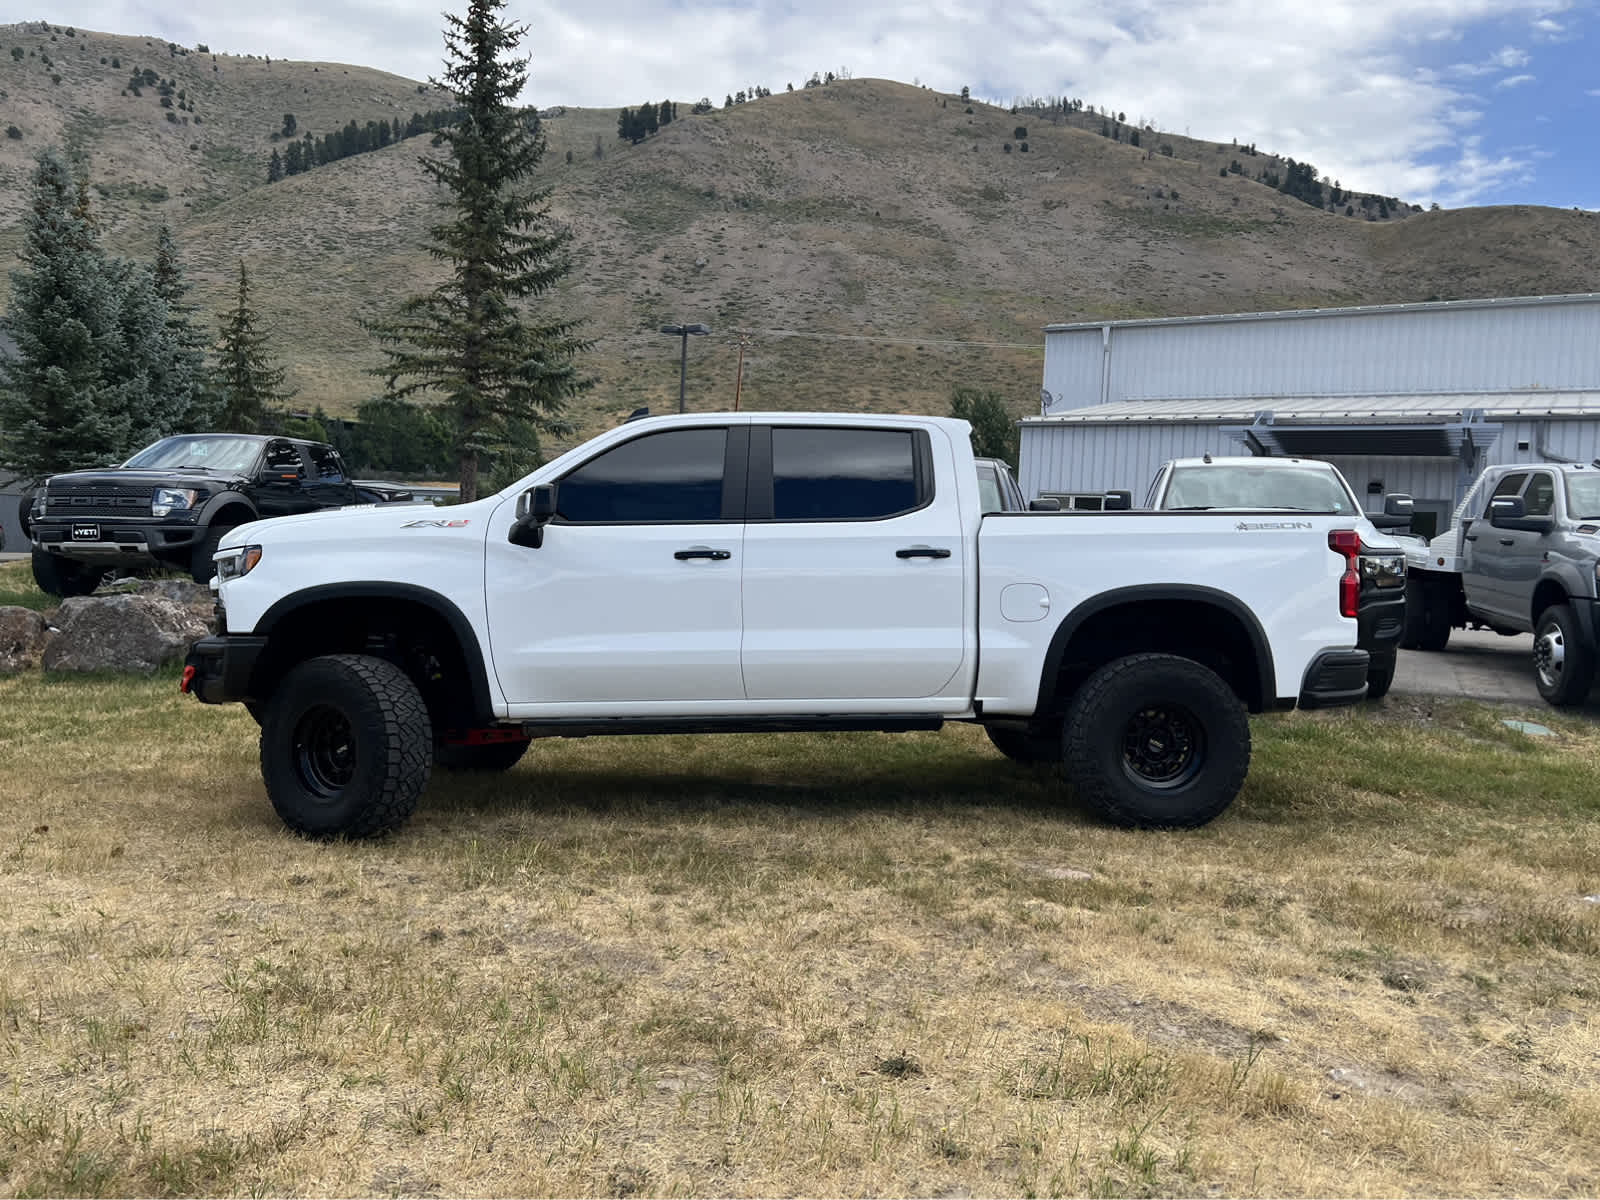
(1563, 663)
(1380, 676)
(346, 746)
(62, 577)
(1156, 741)
(1427, 615)
(1030, 744)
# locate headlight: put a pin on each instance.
(237, 561)
(167, 499)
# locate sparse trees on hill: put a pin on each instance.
(249, 380)
(503, 375)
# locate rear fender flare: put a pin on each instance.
(1229, 604)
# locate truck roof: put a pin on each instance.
(1247, 460)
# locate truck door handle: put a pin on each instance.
(702, 552)
(922, 552)
(1472, 537)
(1508, 541)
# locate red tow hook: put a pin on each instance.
(188, 678)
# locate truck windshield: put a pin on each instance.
(1302, 489)
(220, 453)
(1583, 497)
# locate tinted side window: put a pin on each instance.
(282, 459)
(843, 474)
(674, 476)
(326, 464)
(1540, 498)
(1511, 485)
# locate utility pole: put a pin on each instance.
(683, 331)
(738, 382)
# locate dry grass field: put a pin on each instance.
(844, 965)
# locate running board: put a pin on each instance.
(577, 727)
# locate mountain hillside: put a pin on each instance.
(876, 242)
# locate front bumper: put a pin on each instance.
(117, 541)
(219, 669)
(1334, 678)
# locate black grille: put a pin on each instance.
(73, 500)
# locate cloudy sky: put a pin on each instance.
(1450, 101)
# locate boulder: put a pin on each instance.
(23, 634)
(121, 633)
(197, 598)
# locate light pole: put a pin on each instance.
(683, 331)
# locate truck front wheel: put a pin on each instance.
(62, 577)
(1563, 662)
(346, 747)
(1156, 741)
(1428, 614)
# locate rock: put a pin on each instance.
(121, 633)
(23, 635)
(196, 597)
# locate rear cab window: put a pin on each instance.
(822, 473)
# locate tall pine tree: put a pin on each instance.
(502, 375)
(96, 361)
(251, 384)
(191, 400)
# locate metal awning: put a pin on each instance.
(1460, 439)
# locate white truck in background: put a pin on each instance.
(1304, 485)
(750, 572)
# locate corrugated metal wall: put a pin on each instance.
(1093, 458)
(1504, 348)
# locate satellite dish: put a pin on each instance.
(1045, 400)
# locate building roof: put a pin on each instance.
(1322, 410)
(1353, 310)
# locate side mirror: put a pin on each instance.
(1506, 508)
(1511, 512)
(1044, 504)
(1119, 500)
(1397, 512)
(536, 507)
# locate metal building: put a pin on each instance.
(1414, 398)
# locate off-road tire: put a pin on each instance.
(1427, 624)
(490, 757)
(201, 566)
(1156, 741)
(62, 577)
(1030, 744)
(1563, 663)
(346, 746)
(1380, 676)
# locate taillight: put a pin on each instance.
(1348, 543)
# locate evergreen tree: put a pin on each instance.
(994, 432)
(504, 376)
(275, 167)
(58, 410)
(251, 384)
(186, 381)
(293, 159)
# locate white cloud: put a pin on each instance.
(1511, 81)
(1349, 85)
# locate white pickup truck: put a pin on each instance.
(753, 572)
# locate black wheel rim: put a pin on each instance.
(324, 752)
(1163, 746)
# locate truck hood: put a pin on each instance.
(365, 522)
(117, 477)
